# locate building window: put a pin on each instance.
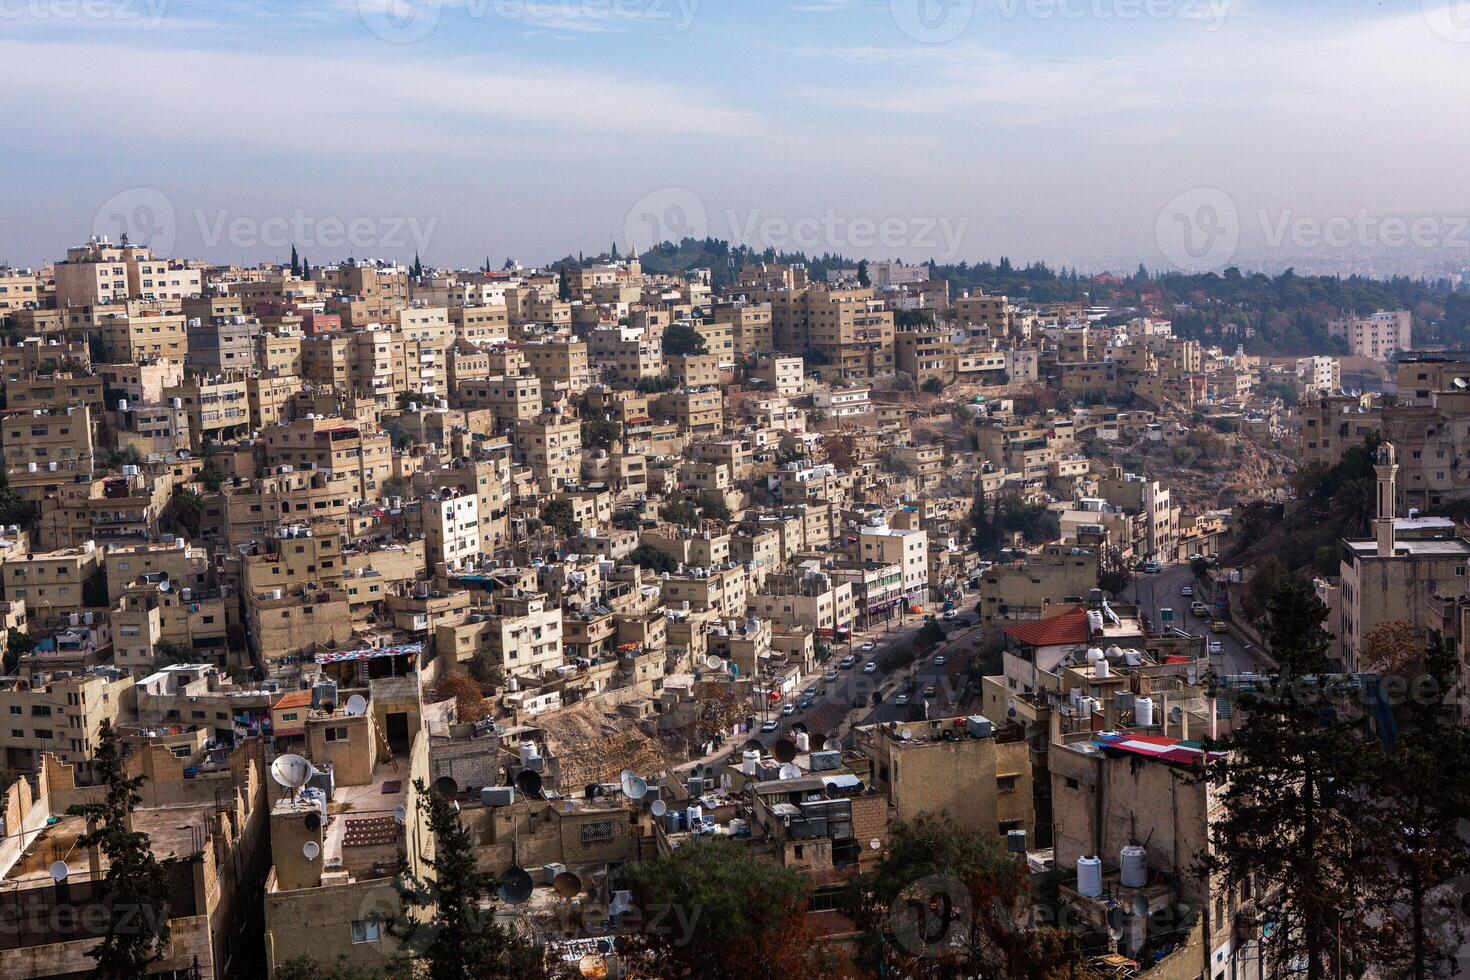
(338, 734)
(366, 931)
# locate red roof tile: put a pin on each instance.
(1069, 627)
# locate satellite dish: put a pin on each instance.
(753, 745)
(1176, 714)
(292, 771)
(356, 705)
(311, 850)
(634, 786)
(591, 791)
(313, 820)
(784, 750)
(659, 808)
(876, 844)
(790, 771)
(515, 886)
(1140, 906)
(400, 813)
(528, 781)
(714, 663)
(566, 884)
(164, 586)
(58, 871)
(447, 787)
(906, 735)
(832, 744)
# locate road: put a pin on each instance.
(1161, 591)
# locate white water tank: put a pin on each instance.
(1133, 860)
(528, 752)
(803, 742)
(1094, 620)
(1089, 876)
(1143, 712)
(1101, 668)
(1094, 654)
(750, 763)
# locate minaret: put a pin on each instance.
(1386, 469)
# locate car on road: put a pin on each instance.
(869, 647)
(901, 699)
(830, 675)
(810, 690)
(1219, 626)
(1152, 568)
(848, 662)
(805, 703)
(1186, 591)
(929, 691)
(941, 660)
(1216, 647)
(871, 667)
(789, 710)
(949, 614)
(1199, 608)
(768, 726)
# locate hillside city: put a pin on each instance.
(624, 616)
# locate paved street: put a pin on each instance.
(1161, 591)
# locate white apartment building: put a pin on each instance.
(842, 402)
(909, 549)
(451, 528)
(1379, 336)
(1319, 373)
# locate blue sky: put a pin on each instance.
(1040, 129)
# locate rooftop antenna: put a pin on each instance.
(790, 771)
(356, 705)
(311, 850)
(515, 885)
(567, 884)
(447, 787)
(293, 772)
(634, 786)
(784, 750)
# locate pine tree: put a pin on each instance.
(295, 262)
(862, 274)
(1291, 782)
(447, 921)
(135, 891)
(1420, 860)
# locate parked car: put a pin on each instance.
(871, 667)
(1152, 568)
(768, 726)
(1219, 626)
(869, 647)
(848, 661)
(1199, 608)
(789, 710)
(806, 702)
(830, 675)
(929, 691)
(1186, 591)
(1216, 647)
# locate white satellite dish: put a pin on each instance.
(59, 871)
(400, 813)
(311, 850)
(714, 663)
(163, 586)
(790, 771)
(875, 844)
(356, 705)
(634, 786)
(292, 771)
(659, 808)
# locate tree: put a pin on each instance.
(841, 450)
(188, 509)
(212, 477)
(306, 968)
(948, 902)
(647, 556)
(929, 636)
(17, 645)
(469, 701)
(713, 506)
(986, 534)
(600, 432)
(1290, 778)
(862, 274)
(933, 386)
(1199, 566)
(1417, 896)
(485, 670)
(712, 910)
(447, 921)
(558, 514)
(136, 890)
(14, 509)
(680, 338)
(680, 512)
(295, 262)
(1113, 573)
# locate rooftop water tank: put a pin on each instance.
(1134, 863)
(1089, 876)
(1143, 712)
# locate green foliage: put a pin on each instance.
(933, 386)
(713, 506)
(484, 670)
(1036, 522)
(135, 892)
(187, 505)
(1199, 567)
(909, 319)
(1222, 424)
(680, 338)
(680, 512)
(558, 514)
(17, 645)
(1284, 390)
(306, 968)
(14, 509)
(600, 432)
(655, 385)
(930, 635)
(116, 459)
(447, 920)
(647, 556)
(626, 519)
(897, 656)
(864, 279)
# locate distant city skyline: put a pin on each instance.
(1095, 134)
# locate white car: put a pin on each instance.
(871, 667)
(869, 647)
(1216, 647)
(1187, 591)
(768, 726)
(941, 660)
(901, 699)
(789, 710)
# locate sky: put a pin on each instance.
(1089, 133)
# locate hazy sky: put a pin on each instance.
(1090, 132)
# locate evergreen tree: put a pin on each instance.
(986, 534)
(295, 262)
(863, 278)
(1421, 861)
(135, 891)
(447, 922)
(1291, 781)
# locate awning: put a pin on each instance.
(370, 653)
